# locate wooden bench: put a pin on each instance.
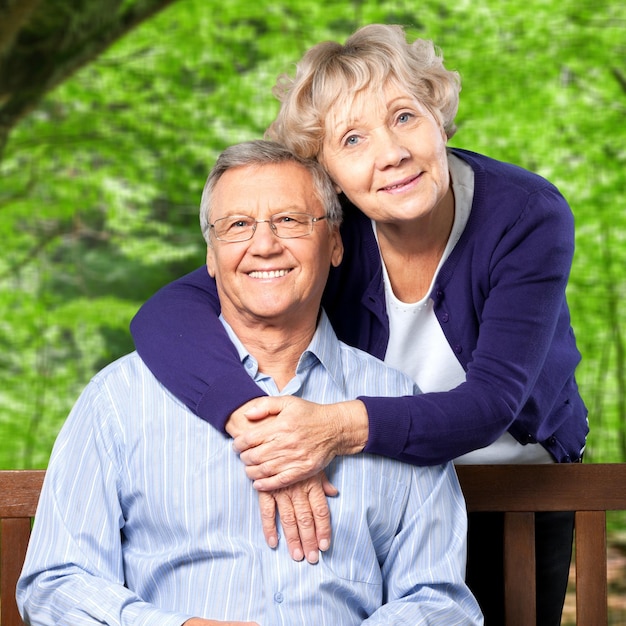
(517, 490)
(521, 490)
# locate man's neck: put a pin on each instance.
(277, 350)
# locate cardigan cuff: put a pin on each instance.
(389, 425)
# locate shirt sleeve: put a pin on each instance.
(423, 571)
(73, 572)
(179, 336)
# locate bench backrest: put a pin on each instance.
(521, 490)
(517, 490)
(19, 493)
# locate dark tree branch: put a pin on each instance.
(14, 14)
(43, 42)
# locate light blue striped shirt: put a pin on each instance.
(147, 517)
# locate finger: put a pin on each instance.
(329, 489)
(321, 515)
(289, 525)
(241, 443)
(306, 521)
(256, 412)
(267, 504)
(285, 470)
(279, 481)
(260, 408)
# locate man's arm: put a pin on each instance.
(74, 569)
(423, 572)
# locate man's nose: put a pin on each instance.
(264, 236)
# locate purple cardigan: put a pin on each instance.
(499, 298)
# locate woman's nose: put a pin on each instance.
(390, 149)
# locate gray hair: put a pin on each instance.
(262, 152)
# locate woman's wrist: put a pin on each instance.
(353, 427)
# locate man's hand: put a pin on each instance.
(198, 621)
(304, 516)
(284, 439)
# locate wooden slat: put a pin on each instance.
(19, 492)
(519, 569)
(14, 535)
(550, 487)
(591, 583)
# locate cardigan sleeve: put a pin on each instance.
(179, 336)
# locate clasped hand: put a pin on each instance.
(285, 443)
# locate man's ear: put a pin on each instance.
(210, 261)
(337, 248)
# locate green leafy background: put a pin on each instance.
(100, 185)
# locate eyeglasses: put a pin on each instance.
(235, 228)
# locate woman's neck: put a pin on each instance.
(412, 251)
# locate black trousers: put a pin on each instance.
(485, 574)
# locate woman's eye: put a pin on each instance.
(403, 118)
(351, 140)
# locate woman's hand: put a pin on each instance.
(284, 439)
(304, 516)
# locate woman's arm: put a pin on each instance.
(179, 336)
(505, 301)
(504, 311)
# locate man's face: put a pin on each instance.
(268, 279)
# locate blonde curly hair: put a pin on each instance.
(372, 57)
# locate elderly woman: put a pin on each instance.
(455, 271)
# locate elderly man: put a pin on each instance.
(146, 515)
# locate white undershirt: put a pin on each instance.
(418, 346)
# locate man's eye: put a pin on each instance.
(236, 224)
(288, 220)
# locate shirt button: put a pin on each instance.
(278, 597)
(458, 349)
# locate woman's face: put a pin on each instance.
(387, 155)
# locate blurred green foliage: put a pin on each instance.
(99, 186)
